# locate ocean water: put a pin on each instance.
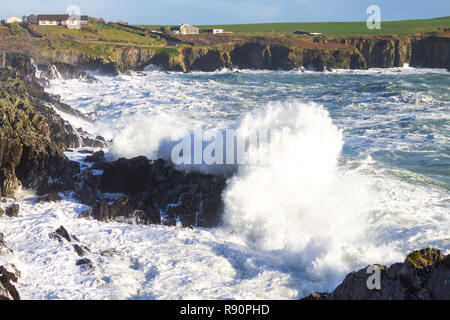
(359, 174)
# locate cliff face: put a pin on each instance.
(430, 52)
(342, 53)
(32, 136)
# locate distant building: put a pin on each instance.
(216, 31)
(306, 33)
(13, 20)
(185, 29)
(70, 21)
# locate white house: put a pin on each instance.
(68, 20)
(13, 20)
(217, 31)
(185, 29)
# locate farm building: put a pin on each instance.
(216, 31)
(70, 21)
(185, 29)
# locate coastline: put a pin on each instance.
(64, 174)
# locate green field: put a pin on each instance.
(101, 32)
(336, 29)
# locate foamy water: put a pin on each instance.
(358, 174)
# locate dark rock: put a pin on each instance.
(81, 250)
(33, 136)
(98, 156)
(93, 143)
(126, 176)
(85, 263)
(153, 188)
(4, 250)
(60, 234)
(424, 275)
(13, 211)
(51, 197)
(7, 290)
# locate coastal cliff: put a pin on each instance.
(389, 52)
(33, 138)
(271, 54)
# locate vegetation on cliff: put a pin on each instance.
(116, 48)
(32, 136)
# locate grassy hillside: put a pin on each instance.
(100, 32)
(333, 28)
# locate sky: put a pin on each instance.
(201, 12)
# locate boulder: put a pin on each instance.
(425, 275)
(98, 156)
(4, 250)
(126, 176)
(85, 263)
(8, 276)
(13, 211)
(152, 189)
(60, 234)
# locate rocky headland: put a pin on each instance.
(261, 53)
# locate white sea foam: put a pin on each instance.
(330, 199)
(300, 204)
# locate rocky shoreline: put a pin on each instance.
(431, 51)
(33, 139)
(425, 275)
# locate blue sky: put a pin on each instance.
(231, 11)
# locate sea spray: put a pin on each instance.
(407, 175)
(299, 204)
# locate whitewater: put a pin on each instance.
(357, 174)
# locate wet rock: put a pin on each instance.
(85, 263)
(51, 197)
(9, 275)
(98, 156)
(93, 143)
(4, 250)
(126, 176)
(60, 234)
(61, 70)
(424, 275)
(152, 189)
(81, 250)
(13, 211)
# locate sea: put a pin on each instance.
(358, 173)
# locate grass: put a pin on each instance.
(98, 50)
(335, 29)
(102, 32)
